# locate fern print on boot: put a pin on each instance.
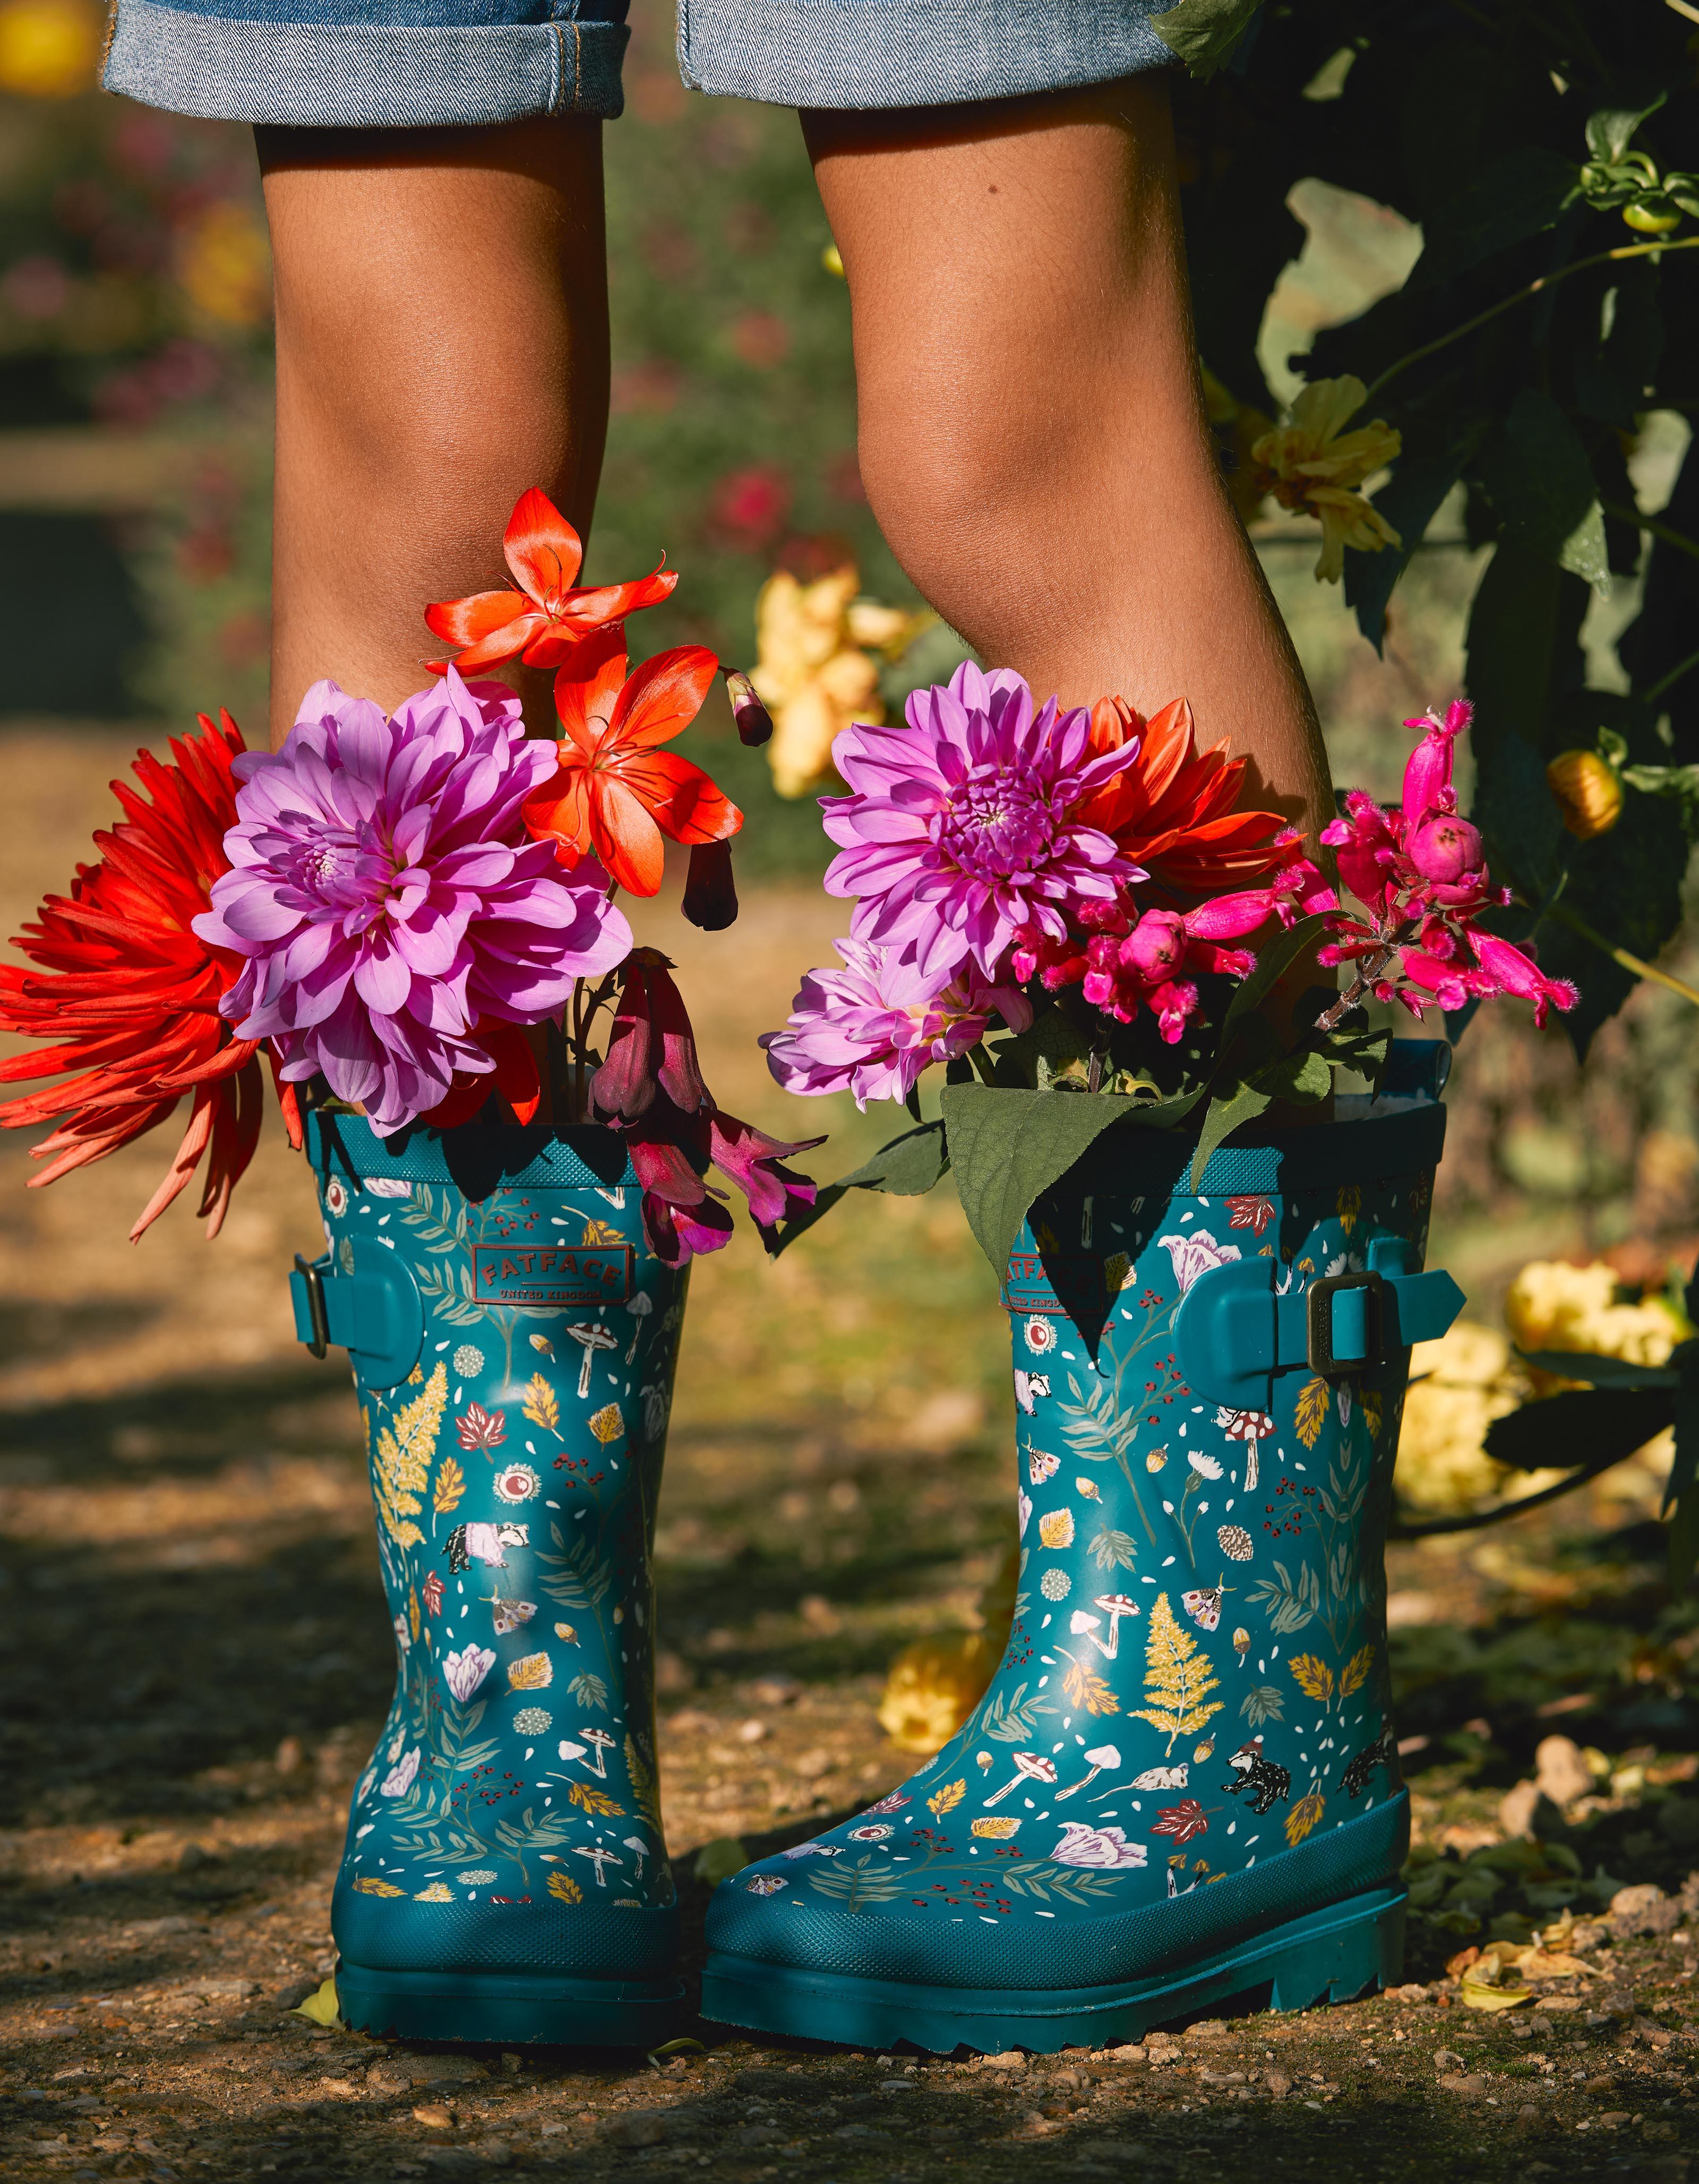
(1182, 1785)
(513, 1337)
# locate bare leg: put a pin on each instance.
(441, 344)
(1032, 437)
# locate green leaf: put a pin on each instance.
(1601, 1371)
(1613, 381)
(1682, 1492)
(1272, 965)
(1520, 194)
(907, 1167)
(1423, 476)
(1226, 1112)
(1203, 33)
(1580, 1426)
(1536, 473)
(1611, 129)
(1007, 1147)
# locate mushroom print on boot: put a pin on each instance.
(513, 1336)
(1182, 1785)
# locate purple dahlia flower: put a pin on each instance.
(871, 1027)
(961, 827)
(387, 896)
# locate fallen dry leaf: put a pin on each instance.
(320, 2007)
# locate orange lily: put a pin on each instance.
(1172, 810)
(542, 620)
(615, 794)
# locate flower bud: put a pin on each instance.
(755, 723)
(711, 893)
(1155, 945)
(1443, 848)
(1587, 792)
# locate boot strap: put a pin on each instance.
(1233, 1334)
(375, 1312)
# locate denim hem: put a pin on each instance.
(870, 54)
(365, 74)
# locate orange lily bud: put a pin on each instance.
(755, 723)
(1587, 792)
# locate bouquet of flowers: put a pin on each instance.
(1067, 910)
(412, 915)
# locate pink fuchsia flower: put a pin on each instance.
(651, 1089)
(963, 827)
(387, 897)
(1498, 968)
(873, 1027)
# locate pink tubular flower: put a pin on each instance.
(1150, 963)
(1420, 872)
(873, 1027)
(961, 827)
(386, 895)
(651, 1089)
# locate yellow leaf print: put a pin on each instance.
(1312, 1410)
(645, 1785)
(1178, 1678)
(1356, 1672)
(402, 1459)
(599, 1232)
(992, 1827)
(565, 1889)
(1315, 1679)
(1056, 1530)
(542, 1406)
(1303, 1816)
(946, 1800)
(413, 1615)
(451, 1484)
(1115, 1269)
(535, 1671)
(1373, 1413)
(1349, 1206)
(607, 1424)
(595, 1801)
(369, 1885)
(1087, 1693)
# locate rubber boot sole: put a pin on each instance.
(1330, 1954)
(508, 2010)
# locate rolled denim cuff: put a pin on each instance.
(879, 53)
(369, 74)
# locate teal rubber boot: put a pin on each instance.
(1182, 1785)
(513, 1339)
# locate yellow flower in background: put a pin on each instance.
(49, 48)
(224, 263)
(1313, 466)
(1458, 1385)
(933, 1687)
(1238, 428)
(815, 670)
(1552, 1305)
(1587, 790)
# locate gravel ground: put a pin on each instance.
(196, 1660)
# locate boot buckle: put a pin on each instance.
(318, 1311)
(1366, 1339)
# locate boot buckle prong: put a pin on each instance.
(318, 1312)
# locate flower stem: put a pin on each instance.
(1331, 1018)
(1668, 682)
(1521, 296)
(1565, 916)
(1679, 539)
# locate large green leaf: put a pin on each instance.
(1610, 129)
(1007, 1147)
(1276, 960)
(1613, 381)
(1601, 1371)
(1537, 475)
(1203, 33)
(1410, 500)
(905, 1167)
(1520, 194)
(1583, 1425)
(1681, 1498)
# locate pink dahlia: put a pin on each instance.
(963, 827)
(386, 895)
(873, 1027)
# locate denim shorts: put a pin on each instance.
(431, 63)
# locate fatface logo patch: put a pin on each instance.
(1057, 1282)
(552, 1274)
